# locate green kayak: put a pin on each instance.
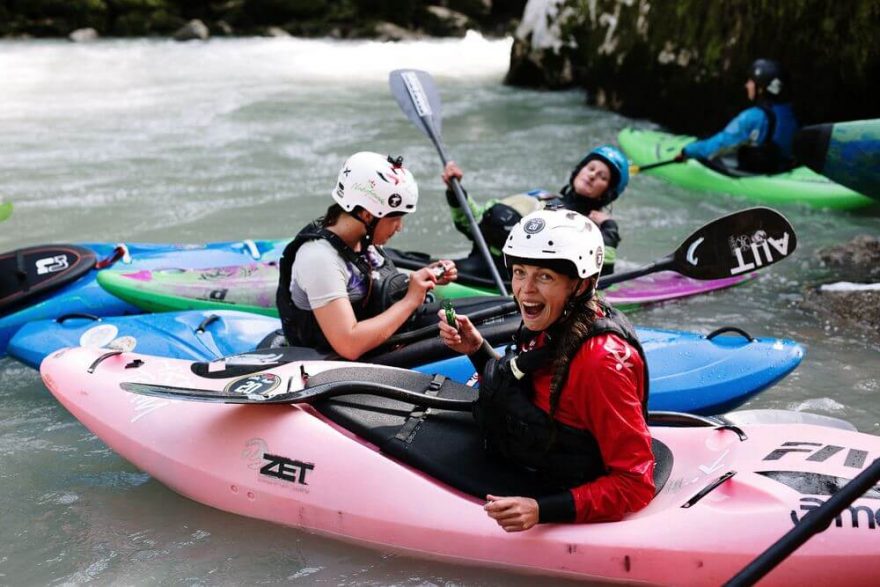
(5, 210)
(801, 185)
(251, 288)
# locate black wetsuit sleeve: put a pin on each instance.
(482, 356)
(610, 233)
(451, 199)
(558, 507)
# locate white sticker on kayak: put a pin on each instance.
(98, 336)
(125, 344)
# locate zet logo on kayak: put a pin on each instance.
(754, 250)
(286, 469)
(276, 469)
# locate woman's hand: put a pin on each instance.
(451, 170)
(513, 514)
(420, 283)
(465, 339)
(445, 271)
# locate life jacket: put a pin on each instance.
(767, 157)
(518, 430)
(498, 220)
(386, 285)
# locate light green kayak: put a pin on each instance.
(248, 288)
(251, 288)
(799, 186)
(5, 210)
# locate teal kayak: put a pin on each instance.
(798, 186)
(846, 152)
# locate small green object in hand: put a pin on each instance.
(450, 313)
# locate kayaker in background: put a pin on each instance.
(595, 182)
(761, 135)
(568, 400)
(337, 290)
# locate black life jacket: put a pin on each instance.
(521, 432)
(767, 157)
(386, 285)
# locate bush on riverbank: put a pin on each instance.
(339, 18)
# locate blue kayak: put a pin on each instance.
(689, 372)
(79, 292)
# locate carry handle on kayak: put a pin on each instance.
(735, 244)
(415, 93)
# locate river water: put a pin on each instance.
(231, 139)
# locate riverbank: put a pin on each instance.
(84, 20)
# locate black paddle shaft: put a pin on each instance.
(732, 245)
(415, 93)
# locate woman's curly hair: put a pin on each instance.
(575, 329)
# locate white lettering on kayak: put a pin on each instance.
(144, 405)
(51, 264)
(716, 465)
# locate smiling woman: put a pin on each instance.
(568, 400)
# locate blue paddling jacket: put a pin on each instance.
(762, 136)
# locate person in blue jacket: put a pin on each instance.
(598, 180)
(761, 135)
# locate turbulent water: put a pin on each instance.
(156, 141)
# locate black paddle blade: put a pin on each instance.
(418, 98)
(738, 243)
(269, 388)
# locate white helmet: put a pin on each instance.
(379, 185)
(557, 235)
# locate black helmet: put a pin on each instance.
(769, 77)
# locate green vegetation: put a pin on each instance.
(344, 18)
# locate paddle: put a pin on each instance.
(814, 522)
(636, 169)
(306, 395)
(738, 243)
(415, 93)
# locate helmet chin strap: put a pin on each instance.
(367, 239)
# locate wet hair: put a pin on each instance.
(574, 328)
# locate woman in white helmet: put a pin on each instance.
(567, 402)
(337, 290)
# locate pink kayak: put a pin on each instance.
(355, 469)
(666, 285)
